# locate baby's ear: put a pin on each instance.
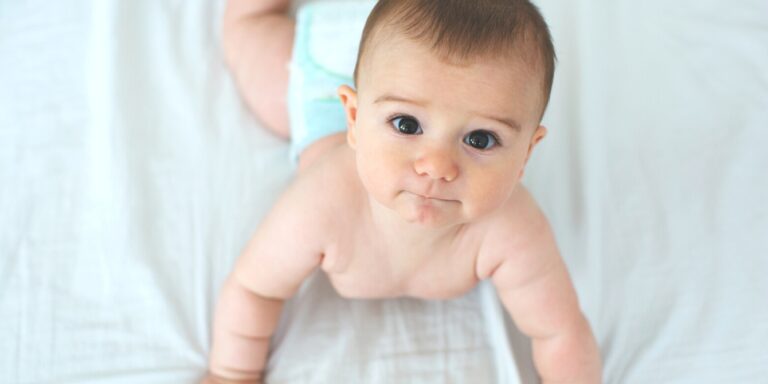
(348, 98)
(538, 135)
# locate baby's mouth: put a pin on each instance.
(430, 198)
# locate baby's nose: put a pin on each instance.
(437, 164)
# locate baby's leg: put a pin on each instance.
(257, 38)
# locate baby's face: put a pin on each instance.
(439, 143)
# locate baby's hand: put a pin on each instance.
(212, 379)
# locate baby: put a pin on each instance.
(419, 194)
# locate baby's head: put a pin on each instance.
(449, 98)
(462, 32)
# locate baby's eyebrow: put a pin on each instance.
(508, 122)
(399, 99)
(511, 123)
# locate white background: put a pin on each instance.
(131, 175)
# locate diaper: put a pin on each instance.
(324, 53)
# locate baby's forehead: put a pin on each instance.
(388, 62)
(389, 44)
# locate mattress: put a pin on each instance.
(131, 176)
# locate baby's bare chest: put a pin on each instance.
(360, 264)
(363, 270)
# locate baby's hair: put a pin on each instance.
(465, 30)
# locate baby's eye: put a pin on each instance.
(481, 140)
(406, 125)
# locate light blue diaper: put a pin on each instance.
(324, 54)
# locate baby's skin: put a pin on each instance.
(420, 197)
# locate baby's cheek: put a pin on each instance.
(488, 194)
(375, 178)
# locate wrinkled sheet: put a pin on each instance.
(131, 175)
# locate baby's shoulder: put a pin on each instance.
(520, 214)
(330, 189)
(513, 231)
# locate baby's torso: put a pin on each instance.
(363, 269)
(360, 263)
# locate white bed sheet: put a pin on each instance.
(131, 176)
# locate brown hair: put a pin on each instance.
(468, 29)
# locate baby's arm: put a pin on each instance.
(535, 288)
(257, 37)
(269, 271)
